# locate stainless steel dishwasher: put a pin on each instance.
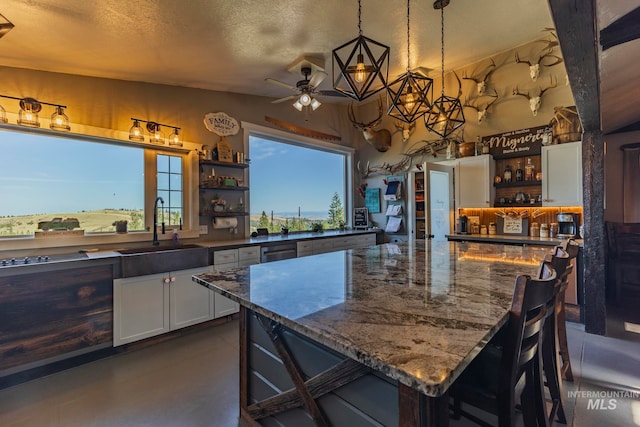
(278, 251)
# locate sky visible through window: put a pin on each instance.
(285, 178)
(43, 174)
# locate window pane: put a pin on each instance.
(46, 177)
(295, 186)
(169, 182)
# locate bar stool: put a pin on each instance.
(509, 367)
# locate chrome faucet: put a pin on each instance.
(156, 242)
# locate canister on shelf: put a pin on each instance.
(492, 228)
(483, 229)
(553, 229)
(535, 229)
(544, 230)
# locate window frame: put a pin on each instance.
(189, 191)
(251, 129)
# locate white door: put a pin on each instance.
(439, 201)
(191, 303)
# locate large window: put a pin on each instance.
(296, 183)
(66, 183)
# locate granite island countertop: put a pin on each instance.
(418, 312)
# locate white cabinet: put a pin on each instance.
(189, 302)
(562, 174)
(151, 305)
(473, 181)
(231, 258)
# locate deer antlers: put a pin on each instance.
(535, 101)
(379, 139)
(482, 112)
(481, 83)
(534, 67)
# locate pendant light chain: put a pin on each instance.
(442, 44)
(359, 18)
(408, 37)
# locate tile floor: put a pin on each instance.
(193, 381)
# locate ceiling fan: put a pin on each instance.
(305, 89)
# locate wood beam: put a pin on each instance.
(575, 25)
(622, 30)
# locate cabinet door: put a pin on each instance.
(191, 303)
(473, 182)
(562, 174)
(141, 308)
(224, 306)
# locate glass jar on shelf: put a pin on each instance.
(507, 174)
(529, 171)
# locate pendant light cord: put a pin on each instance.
(408, 37)
(442, 44)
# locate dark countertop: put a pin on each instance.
(507, 239)
(417, 311)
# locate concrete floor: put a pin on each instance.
(193, 381)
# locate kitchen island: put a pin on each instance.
(367, 336)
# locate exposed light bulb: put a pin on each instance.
(361, 71)
(409, 100)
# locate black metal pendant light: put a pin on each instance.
(360, 66)
(445, 115)
(411, 93)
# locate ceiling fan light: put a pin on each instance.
(297, 105)
(315, 104)
(305, 99)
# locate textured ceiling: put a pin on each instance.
(234, 45)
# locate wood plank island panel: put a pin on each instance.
(49, 314)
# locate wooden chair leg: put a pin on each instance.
(551, 370)
(563, 347)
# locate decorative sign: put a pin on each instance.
(221, 124)
(360, 218)
(372, 199)
(224, 150)
(517, 143)
(512, 226)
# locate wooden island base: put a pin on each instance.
(290, 378)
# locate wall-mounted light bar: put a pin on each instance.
(28, 114)
(156, 136)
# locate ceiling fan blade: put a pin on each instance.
(331, 93)
(286, 98)
(279, 83)
(317, 78)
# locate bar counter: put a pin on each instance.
(413, 314)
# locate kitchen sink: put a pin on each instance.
(162, 259)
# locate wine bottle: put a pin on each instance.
(507, 174)
(519, 172)
(529, 171)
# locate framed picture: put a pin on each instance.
(360, 218)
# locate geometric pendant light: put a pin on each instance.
(411, 93)
(360, 66)
(445, 115)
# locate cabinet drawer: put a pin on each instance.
(305, 246)
(322, 245)
(227, 256)
(249, 253)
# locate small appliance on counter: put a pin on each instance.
(464, 224)
(568, 225)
